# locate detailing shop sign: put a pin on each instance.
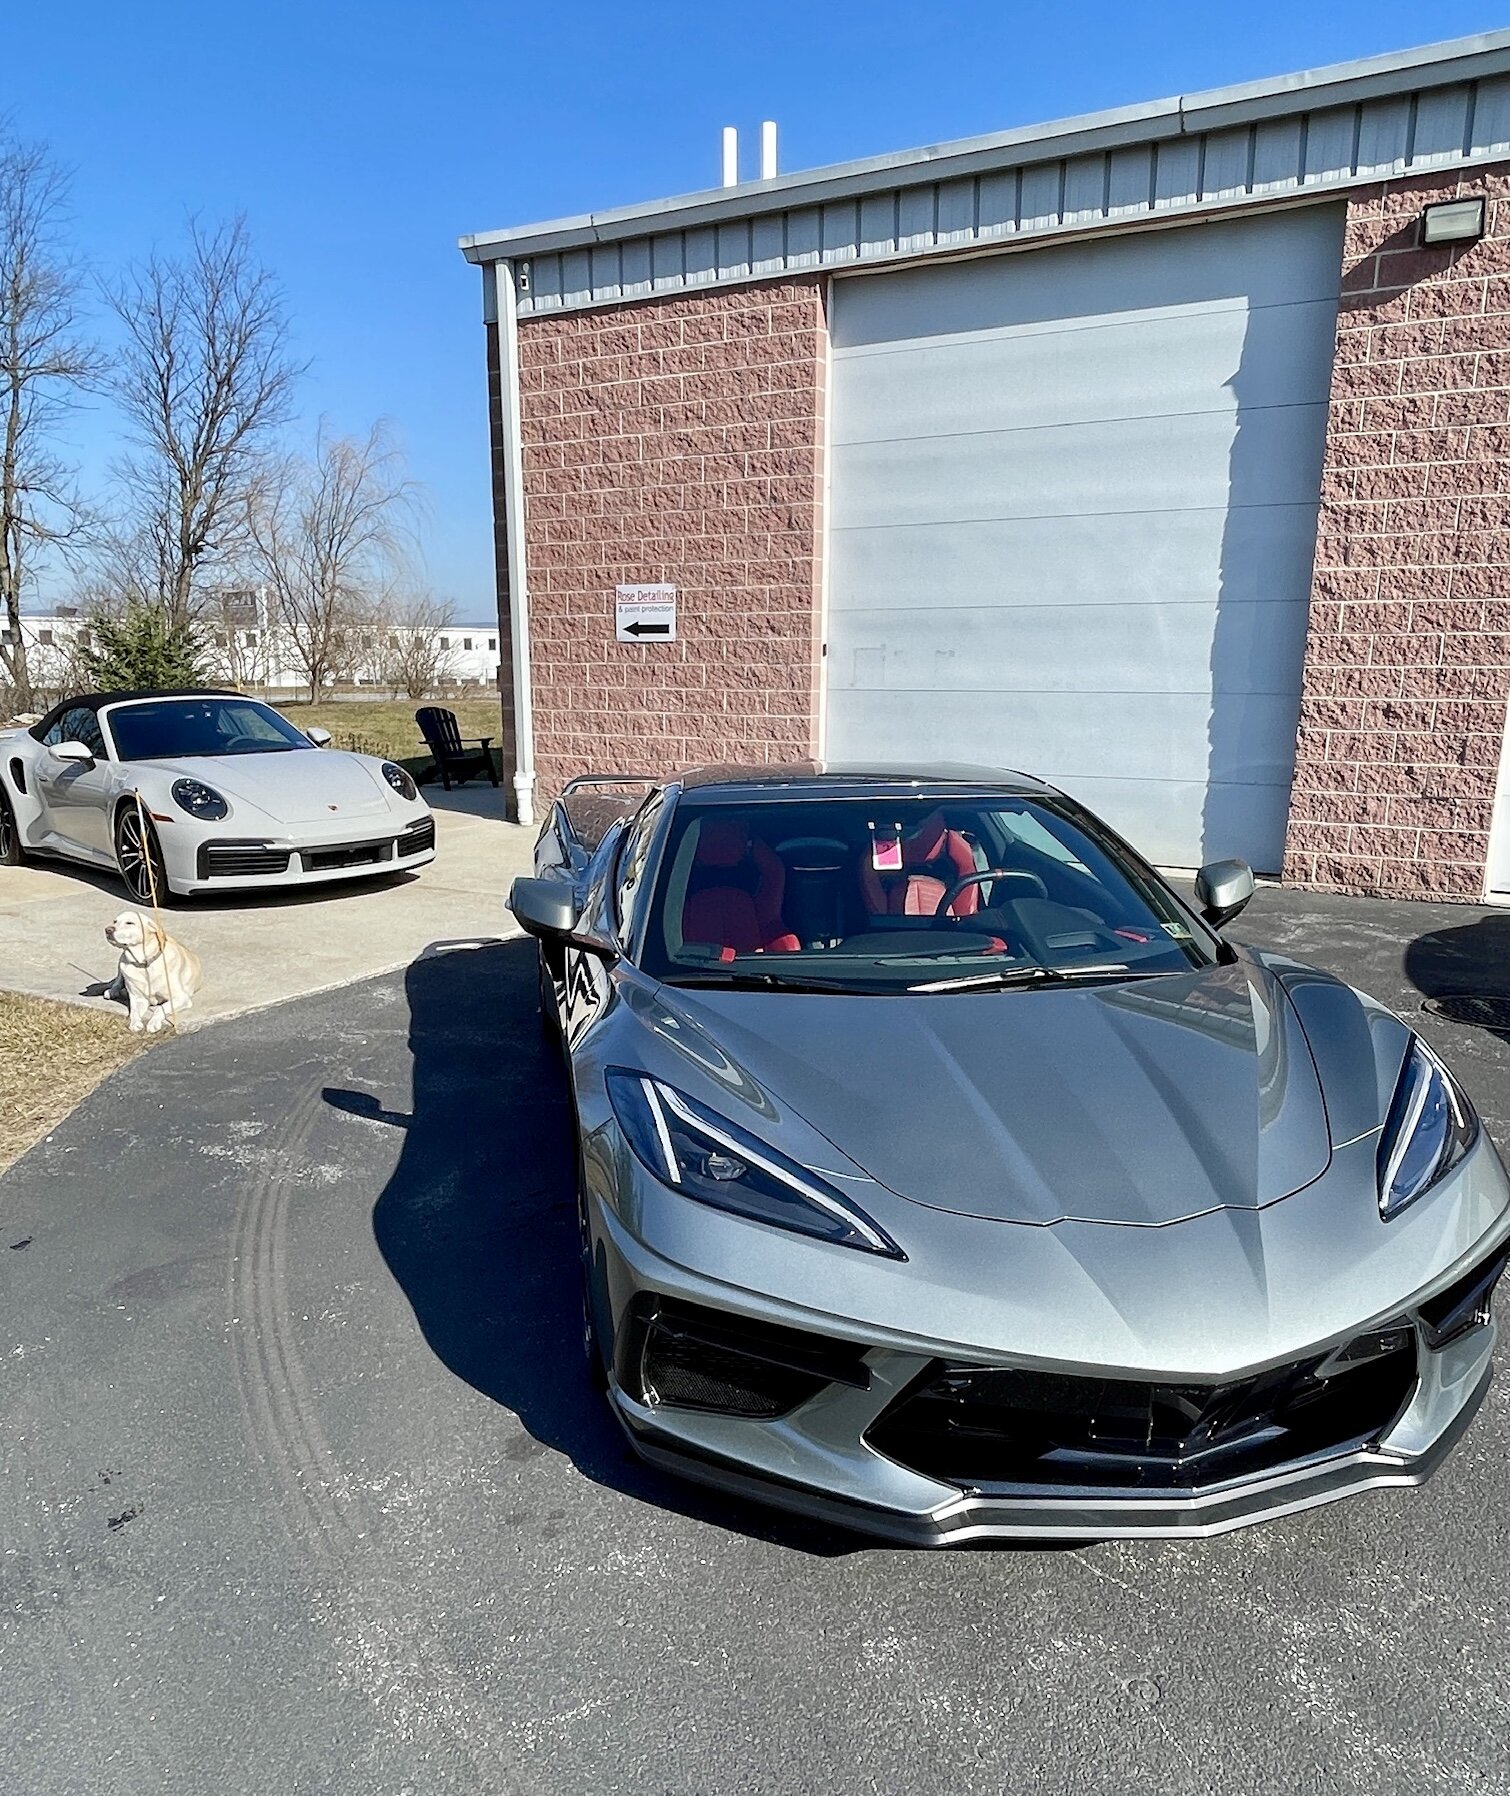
(644, 614)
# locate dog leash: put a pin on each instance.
(157, 915)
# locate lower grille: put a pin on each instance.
(352, 854)
(688, 1357)
(240, 860)
(419, 838)
(986, 1426)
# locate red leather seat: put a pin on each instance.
(933, 858)
(735, 893)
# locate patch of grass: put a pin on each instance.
(387, 727)
(51, 1057)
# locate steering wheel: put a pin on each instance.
(988, 873)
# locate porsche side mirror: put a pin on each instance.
(543, 907)
(320, 738)
(73, 751)
(1223, 888)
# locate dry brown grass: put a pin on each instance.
(51, 1057)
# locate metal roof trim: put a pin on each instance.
(1350, 83)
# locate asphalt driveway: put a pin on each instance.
(303, 1488)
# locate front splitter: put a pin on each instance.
(1022, 1513)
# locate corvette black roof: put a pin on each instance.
(751, 781)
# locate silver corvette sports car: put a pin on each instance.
(944, 1174)
(183, 792)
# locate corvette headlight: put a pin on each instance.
(199, 800)
(703, 1155)
(399, 780)
(1431, 1126)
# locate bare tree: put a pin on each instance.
(204, 379)
(44, 366)
(327, 535)
(418, 654)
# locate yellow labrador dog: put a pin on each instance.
(157, 976)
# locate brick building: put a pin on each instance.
(1164, 453)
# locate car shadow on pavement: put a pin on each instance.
(478, 1225)
(1462, 971)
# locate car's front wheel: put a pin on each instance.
(10, 835)
(139, 856)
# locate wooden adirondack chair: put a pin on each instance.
(455, 756)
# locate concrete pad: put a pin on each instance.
(259, 950)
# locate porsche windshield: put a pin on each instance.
(168, 729)
(906, 894)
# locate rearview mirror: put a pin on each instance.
(320, 738)
(543, 906)
(73, 751)
(1223, 888)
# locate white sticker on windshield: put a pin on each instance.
(1180, 931)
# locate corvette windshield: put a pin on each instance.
(166, 729)
(908, 894)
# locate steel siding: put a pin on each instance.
(1250, 147)
(1074, 499)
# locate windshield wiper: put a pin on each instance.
(767, 982)
(1038, 975)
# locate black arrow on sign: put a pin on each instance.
(647, 629)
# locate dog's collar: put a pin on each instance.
(126, 954)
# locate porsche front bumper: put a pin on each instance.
(834, 1450)
(253, 863)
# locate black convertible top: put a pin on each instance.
(94, 701)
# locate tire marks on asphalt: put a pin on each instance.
(384, 1646)
(278, 1414)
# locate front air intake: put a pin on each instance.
(687, 1357)
(1465, 1304)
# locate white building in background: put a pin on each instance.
(54, 643)
(252, 651)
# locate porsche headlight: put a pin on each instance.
(199, 800)
(703, 1155)
(399, 780)
(1431, 1126)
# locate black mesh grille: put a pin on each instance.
(991, 1426)
(419, 838)
(240, 860)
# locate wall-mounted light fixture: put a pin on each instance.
(1453, 221)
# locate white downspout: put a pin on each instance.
(513, 531)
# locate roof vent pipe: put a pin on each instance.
(768, 150)
(731, 156)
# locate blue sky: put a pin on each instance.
(361, 140)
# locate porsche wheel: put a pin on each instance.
(139, 856)
(10, 835)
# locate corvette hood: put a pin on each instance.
(287, 787)
(1142, 1103)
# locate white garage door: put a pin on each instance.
(1074, 498)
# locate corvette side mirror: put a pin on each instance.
(73, 751)
(320, 738)
(1223, 888)
(543, 907)
(548, 907)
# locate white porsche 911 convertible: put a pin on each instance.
(202, 791)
